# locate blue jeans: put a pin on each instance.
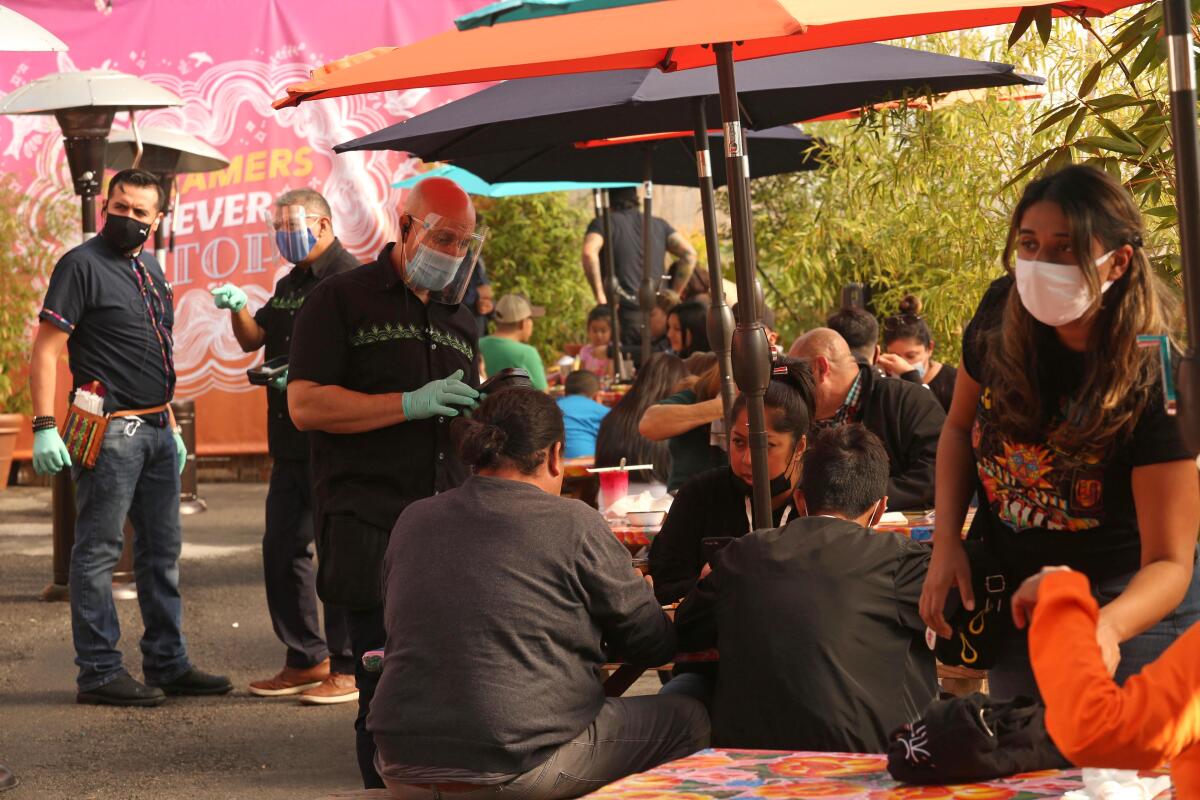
(1012, 675)
(136, 475)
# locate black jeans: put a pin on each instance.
(290, 576)
(366, 633)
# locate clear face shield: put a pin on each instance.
(290, 232)
(444, 257)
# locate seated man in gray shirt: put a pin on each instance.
(501, 602)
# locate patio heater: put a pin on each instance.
(167, 154)
(84, 104)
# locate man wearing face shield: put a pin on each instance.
(109, 303)
(382, 359)
(319, 670)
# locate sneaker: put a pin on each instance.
(195, 682)
(7, 779)
(124, 691)
(291, 681)
(337, 688)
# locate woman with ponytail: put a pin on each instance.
(502, 601)
(1059, 424)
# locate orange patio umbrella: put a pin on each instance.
(684, 34)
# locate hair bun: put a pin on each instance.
(479, 443)
(910, 305)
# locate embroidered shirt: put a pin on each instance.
(277, 318)
(365, 331)
(119, 313)
(1044, 505)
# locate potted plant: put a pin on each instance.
(27, 255)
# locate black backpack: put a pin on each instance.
(973, 738)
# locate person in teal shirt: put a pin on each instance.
(581, 413)
(508, 346)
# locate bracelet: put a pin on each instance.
(44, 423)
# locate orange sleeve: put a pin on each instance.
(1095, 723)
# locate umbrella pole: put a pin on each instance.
(720, 316)
(751, 351)
(646, 292)
(609, 276)
(1184, 135)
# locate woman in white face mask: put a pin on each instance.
(1059, 427)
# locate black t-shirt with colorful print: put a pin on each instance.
(1040, 505)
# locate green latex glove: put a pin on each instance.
(279, 382)
(230, 296)
(434, 399)
(180, 451)
(50, 454)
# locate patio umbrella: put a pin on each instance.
(473, 184)
(773, 91)
(672, 161)
(19, 33)
(683, 34)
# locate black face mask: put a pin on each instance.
(779, 484)
(125, 233)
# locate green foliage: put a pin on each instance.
(26, 260)
(534, 247)
(909, 200)
(1118, 117)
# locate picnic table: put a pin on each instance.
(730, 774)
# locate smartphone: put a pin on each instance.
(511, 378)
(266, 372)
(711, 545)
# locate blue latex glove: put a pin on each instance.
(180, 451)
(279, 382)
(50, 454)
(435, 398)
(229, 296)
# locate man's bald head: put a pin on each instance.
(443, 197)
(824, 342)
(833, 367)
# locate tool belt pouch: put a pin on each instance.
(83, 432)
(350, 562)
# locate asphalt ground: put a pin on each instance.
(237, 746)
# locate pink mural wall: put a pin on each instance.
(227, 60)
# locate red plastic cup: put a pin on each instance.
(613, 486)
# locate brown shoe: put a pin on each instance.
(337, 688)
(291, 681)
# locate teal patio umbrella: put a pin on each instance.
(473, 184)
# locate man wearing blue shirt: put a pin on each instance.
(581, 413)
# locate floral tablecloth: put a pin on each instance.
(740, 774)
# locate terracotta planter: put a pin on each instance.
(9, 425)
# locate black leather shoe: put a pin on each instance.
(196, 682)
(124, 691)
(7, 779)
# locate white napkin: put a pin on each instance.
(1118, 784)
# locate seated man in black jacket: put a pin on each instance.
(821, 641)
(906, 416)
